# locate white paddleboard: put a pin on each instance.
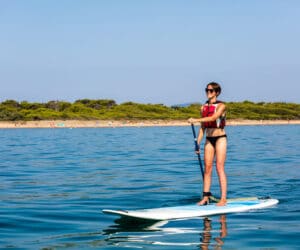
(190, 211)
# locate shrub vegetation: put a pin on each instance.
(86, 109)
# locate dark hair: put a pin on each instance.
(216, 86)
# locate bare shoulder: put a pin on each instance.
(221, 106)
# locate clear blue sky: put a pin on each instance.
(149, 51)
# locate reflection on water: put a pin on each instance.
(133, 225)
(138, 233)
(206, 238)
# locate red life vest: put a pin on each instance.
(207, 111)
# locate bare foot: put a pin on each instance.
(204, 201)
(222, 202)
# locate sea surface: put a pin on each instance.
(54, 184)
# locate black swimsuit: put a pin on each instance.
(213, 139)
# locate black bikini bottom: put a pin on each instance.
(213, 139)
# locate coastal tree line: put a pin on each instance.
(103, 109)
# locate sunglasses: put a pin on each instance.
(209, 90)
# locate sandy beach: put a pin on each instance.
(127, 123)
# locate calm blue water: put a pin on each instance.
(55, 182)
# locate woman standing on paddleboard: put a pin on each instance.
(213, 123)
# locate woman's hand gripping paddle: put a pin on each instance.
(197, 148)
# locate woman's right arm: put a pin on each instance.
(201, 130)
(200, 135)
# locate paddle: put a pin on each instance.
(197, 149)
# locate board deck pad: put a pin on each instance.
(194, 210)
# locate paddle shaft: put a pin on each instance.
(197, 149)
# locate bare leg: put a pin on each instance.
(209, 153)
(221, 147)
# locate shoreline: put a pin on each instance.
(129, 123)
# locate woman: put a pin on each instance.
(213, 123)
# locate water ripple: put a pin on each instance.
(54, 183)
